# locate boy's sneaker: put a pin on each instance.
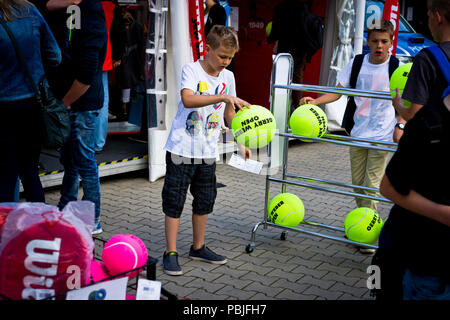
(367, 250)
(171, 265)
(207, 255)
(364, 250)
(97, 229)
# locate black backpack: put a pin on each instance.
(347, 121)
(312, 31)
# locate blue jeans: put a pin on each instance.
(78, 159)
(416, 287)
(20, 145)
(101, 129)
(17, 191)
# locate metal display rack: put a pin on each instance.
(277, 152)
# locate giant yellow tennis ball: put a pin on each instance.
(398, 80)
(268, 28)
(308, 120)
(363, 225)
(286, 209)
(253, 127)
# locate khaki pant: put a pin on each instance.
(367, 167)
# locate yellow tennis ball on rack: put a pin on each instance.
(286, 209)
(254, 127)
(308, 120)
(398, 80)
(363, 225)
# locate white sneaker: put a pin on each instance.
(97, 229)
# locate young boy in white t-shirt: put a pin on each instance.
(208, 95)
(374, 118)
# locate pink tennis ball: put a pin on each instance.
(144, 255)
(122, 253)
(98, 271)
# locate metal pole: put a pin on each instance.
(338, 137)
(289, 135)
(332, 190)
(342, 91)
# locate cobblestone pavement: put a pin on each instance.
(302, 267)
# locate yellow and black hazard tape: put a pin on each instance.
(99, 165)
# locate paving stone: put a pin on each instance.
(287, 294)
(211, 287)
(322, 294)
(236, 294)
(261, 288)
(235, 282)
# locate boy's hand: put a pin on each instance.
(246, 152)
(236, 102)
(397, 101)
(307, 100)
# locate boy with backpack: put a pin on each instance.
(366, 117)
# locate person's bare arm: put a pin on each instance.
(398, 133)
(404, 112)
(323, 99)
(192, 100)
(229, 114)
(416, 203)
(75, 92)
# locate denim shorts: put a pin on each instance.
(199, 174)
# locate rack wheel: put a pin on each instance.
(283, 235)
(249, 248)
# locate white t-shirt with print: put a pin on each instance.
(195, 131)
(374, 118)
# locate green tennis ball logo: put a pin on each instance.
(286, 209)
(254, 127)
(310, 121)
(363, 225)
(398, 80)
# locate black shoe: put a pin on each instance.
(171, 265)
(207, 255)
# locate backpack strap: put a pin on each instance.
(443, 63)
(393, 64)
(347, 121)
(356, 67)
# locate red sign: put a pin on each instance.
(196, 28)
(391, 12)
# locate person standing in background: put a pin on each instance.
(79, 86)
(20, 127)
(287, 30)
